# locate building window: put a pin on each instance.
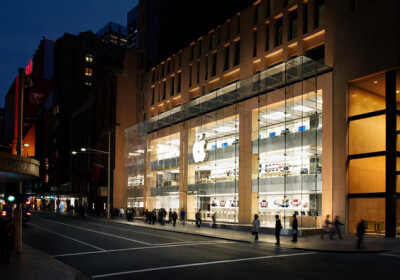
(172, 91)
(190, 75)
(352, 5)
(214, 65)
(192, 52)
(218, 36)
(153, 89)
(226, 61)
(200, 48)
(270, 8)
(211, 41)
(228, 30)
(164, 90)
(162, 70)
(88, 72)
(168, 66)
(89, 58)
(153, 76)
(178, 86)
(266, 37)
(319, 13)
(180, 60)
(257, 14)
(198, 72)
(238, 25)
(278, 32)
(89, 84)
(293, 25)
(206, 69)
(141, 80)
(173, 64)
(305, 18)
(236, 59)
(254, 43)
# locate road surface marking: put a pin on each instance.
(99, 232)
(142, 248)
(138, 231)
(197, 264)
(391, 255)
(68, 237)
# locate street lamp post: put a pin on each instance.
(109, 168)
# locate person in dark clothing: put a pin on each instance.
(278, 227)
(183, 216)
(169, 216)
(214, 220)
(294, 228)
(336, 228)
(326, 228)
(174, 217)
(360, 233)
(198, 218)
(153, 217)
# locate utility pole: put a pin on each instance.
(18, 210)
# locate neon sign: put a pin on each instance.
(29, 67)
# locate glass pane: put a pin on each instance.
(371, 210)
(367, 175)
(367, 135)
(367, 95)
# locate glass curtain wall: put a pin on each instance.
(287, 148)
(213, 171)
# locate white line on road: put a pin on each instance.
(99, 232)
(197, 264)
(391, 255)
(137, 231)
(168, 245)
(68, 237)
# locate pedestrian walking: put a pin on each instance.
(129, 214)
(169, 216)
(198, 218)
(336, 228)
(360, 233)
(326, 227)
(174, 218)
(294, 228)
(153, 217)
(121, 212)
(278, 227)
(214, 220)
(256, 227)
(183, 216)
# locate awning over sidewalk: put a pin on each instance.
(17, 168)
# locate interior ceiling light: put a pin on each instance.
(303, 108)
(276, 116)
(375, 82)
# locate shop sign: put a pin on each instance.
(199, 150)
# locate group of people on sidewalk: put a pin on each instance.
(278, 228)
(151, 217)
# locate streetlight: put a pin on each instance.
(109, 168)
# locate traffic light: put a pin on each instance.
(10, 192)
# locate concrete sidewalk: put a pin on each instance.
(34, 265)
(372, 243)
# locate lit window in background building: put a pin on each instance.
(89, 58)
(89, 84)
(88, 72)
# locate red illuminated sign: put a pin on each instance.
(29, 67)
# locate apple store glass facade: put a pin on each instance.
(254, 146)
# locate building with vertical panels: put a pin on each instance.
(288, 107)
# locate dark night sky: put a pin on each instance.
(23, 23)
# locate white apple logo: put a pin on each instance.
(199, 150)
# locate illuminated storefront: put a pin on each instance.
(254, 146)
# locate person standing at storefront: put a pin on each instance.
(174, 217)
(256, 227)
(198, 218)
(294, 228)
(360, 233)
(214, 220)
(170, 216)
(278, 227)
(183, 216)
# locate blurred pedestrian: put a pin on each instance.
(326, 227)
(174, 217)
(256, 227)
(294, 228)
(121, 212)
(169, 216)
(360, 233)
(183, 216)
(198, 218)
(214, 220)
(336, 228)
(278, 227)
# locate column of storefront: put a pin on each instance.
(183, 167)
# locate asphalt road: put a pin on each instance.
(102, 250)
